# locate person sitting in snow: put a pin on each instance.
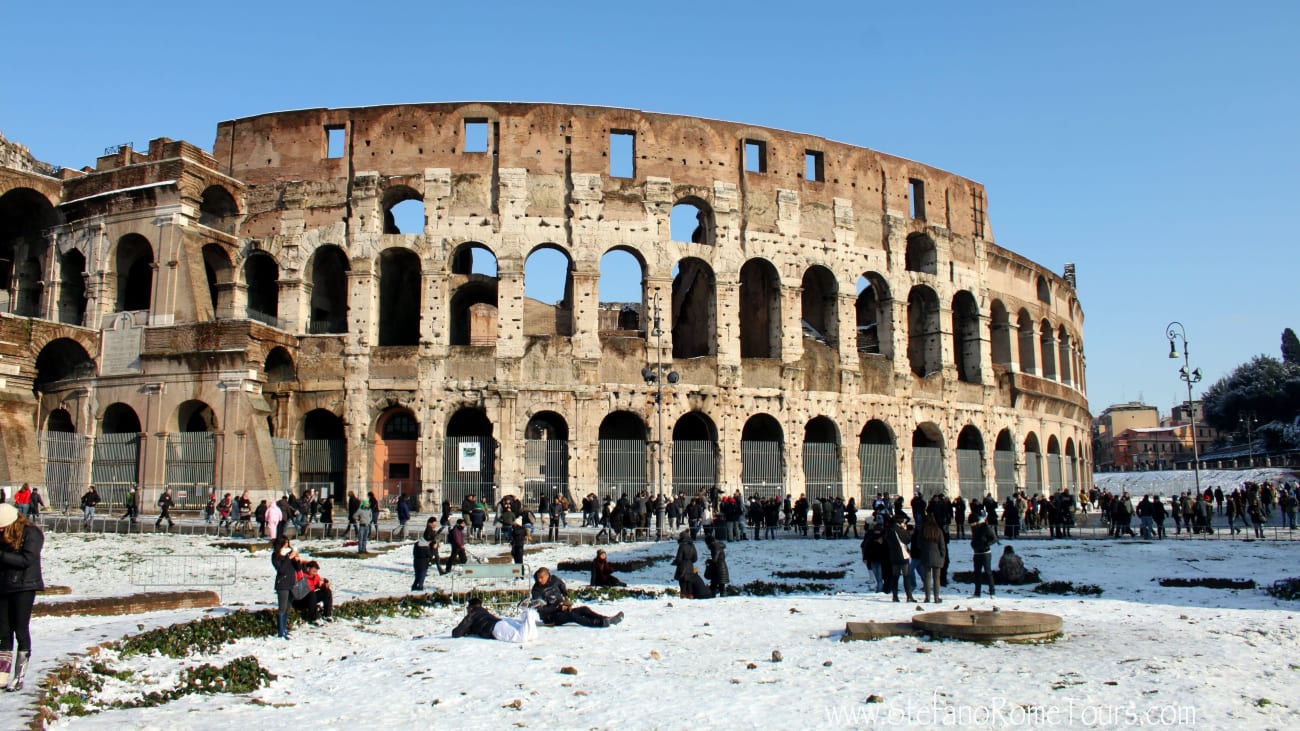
(479, 622)
(602, 573)
(556, 608)
(1011, 569)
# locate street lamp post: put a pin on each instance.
(1189, 376)
(657, 376)
(1248, 418)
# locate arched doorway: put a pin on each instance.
(469, 457)
(622, 467)
(323, 455)
(877, 461)
(927, 461)
(546, 458)
(396, 467)
(762, 457)
(970, 464)
(192, 454)
(822, 477)
(695, 454)
(115, 464)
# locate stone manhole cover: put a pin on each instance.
(989, 626)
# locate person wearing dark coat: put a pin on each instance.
(696, 588)
(931, 550)
(456, 538)
(715, 568)
(556, 609)
(982, 538)
(20, 579)
(478, 621)
(286, 562)
(518, 537)
(602, 574)
(403, 517)
(684, 561)
(426, 551)
(874, 554)
(897, 538)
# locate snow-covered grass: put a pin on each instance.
(1209, 658)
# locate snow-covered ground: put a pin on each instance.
(1138, 654)
(1168, 482)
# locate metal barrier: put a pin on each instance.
(185, 570)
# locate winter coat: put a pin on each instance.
(1011, 568)
(982, 538)
(457, 537)
(286, 571)
(601, 572)
(686, 557)
(90, 500)
(518, 537)
(479, 622)
(873, 546)
(553, 592)
(403, 511)
(896, 540)
(931, 554)
(21, 570)
(715, 568)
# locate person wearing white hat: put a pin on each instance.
(20, 579)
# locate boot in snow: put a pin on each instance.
(20, 671)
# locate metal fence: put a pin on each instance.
(878, 470)
(1033, 474)
(191, 462)
(695, 466)
(64, 462)
(1004, 472)
(970, 474)
(927, 470)
(622, 467)
(323, 462)
(822, 475)
(762, 468)
(467, 468)
(546, 469)
(1055, 476)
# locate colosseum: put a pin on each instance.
(740, 307)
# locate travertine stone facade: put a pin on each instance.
(263, 295)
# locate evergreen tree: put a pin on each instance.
(1290, 347)
(1264, 386)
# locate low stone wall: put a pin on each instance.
(153, 601)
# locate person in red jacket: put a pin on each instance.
(602, 574)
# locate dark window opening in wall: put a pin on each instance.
(814, 166)
(755, 156)
(61, 359)
(221, 278)
(760, 310)
(924, 347)
(819, 305)
(72, 288)
(261, 275)
(874, 326)
(922, 255)
(473, 313)
(401, 427)
(476, 135)
(694, 308)
(622, 154)
(278, 366)
(977, 212)
(399, 471)
(692, 221)
(399, 297)
(329, 291)
(1044, 291)
(134, 273)
(621, 300)
(335, 141)
(916, 197)
(966, 337)
(1028, 343)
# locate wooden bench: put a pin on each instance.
(486, 572)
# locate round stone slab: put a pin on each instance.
(989, 626)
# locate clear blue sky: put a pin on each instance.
(1155, 144)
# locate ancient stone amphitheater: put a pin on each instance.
(736, 306)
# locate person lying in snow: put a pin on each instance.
(556, 608)
(480, 622)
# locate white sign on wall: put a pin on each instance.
(469, 457)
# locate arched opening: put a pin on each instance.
(819, 299)
(221, 279)
(927, 461)
(61, 360)
(622, 294)
(1044, 291)
(695, 454)
(1000, 334)
(469, 457)
(60, 421)
(877, 460)
(262, 277)
(403, 211)
(25, 215)
(874, 323)
(473, 316)
(218, 209)
(1064, 361)
(323, 455)
(1055, 471)
(692, 222)
(622, 461)
(1004, 464)
(822, 476)
(192, 453)
(72, 288)
(966, 336)
(548, 292)
(762, 457)
(328, 270)
(396, 465)
(1028, 344)
(760, 310)
(970, 463)
(922, 255)
(1048, 338)
(1071, 466)
(546, 458)
(399, 297)
(695, 322)
(133, 265)
(115, 464)
(924, 348)
(1033, 466)
(279, 366)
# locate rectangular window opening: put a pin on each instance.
(755, 156)
(814, 166)
(476, 135)
(622, 154)
(335, 140)
(916, 196)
